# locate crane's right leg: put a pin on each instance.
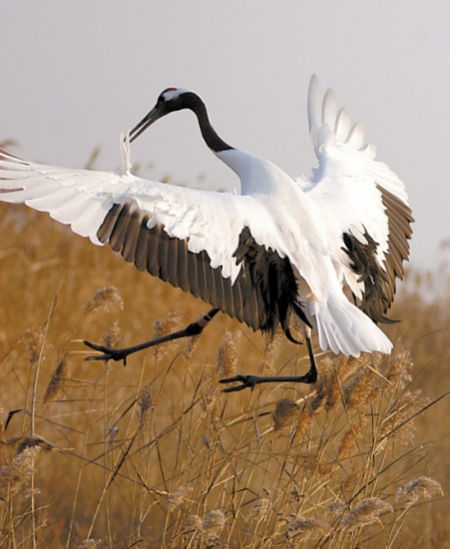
(194, 328)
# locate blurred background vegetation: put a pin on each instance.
(154, 455)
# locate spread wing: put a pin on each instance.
(364, 202)
(200, 241)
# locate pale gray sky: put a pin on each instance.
(76, 74)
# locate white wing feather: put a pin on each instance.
(344, 185)
(82, 199)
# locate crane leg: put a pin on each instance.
(250, 381)
(194, 328)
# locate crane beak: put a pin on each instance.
(147, 121)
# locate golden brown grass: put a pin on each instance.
(154, 455)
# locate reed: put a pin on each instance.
(155, 455)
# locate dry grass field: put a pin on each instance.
(155, 455)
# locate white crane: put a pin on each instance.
(284, 246)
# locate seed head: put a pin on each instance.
(145, 403)
(105, 299)
(359, 390)
(422, 487)
(3, 416)
(193, 522)
(213, 526)
(271, 346)
(113, 337)
(90, 543)
(227, 356)
(306, 527)
(261, 507)
(399, 373)
(398, 424)
(285, 411)
(304, 421)
(175, 499)
(366, 512)
(337, 508)
(18, 473)
(168, 324)
(349, 440)
(57, 380)
(33, 341)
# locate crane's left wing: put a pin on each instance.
(363, 203)
(205, 242)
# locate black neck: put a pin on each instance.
(214, 142)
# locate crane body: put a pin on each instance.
(284, 246)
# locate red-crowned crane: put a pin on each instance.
(284, 246)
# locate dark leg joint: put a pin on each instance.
(193, 329)
(196, 327)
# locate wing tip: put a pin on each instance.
(313, 103)
(324, 110)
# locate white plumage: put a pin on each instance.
(345, 227)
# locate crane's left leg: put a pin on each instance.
(194, 328)
(250, 380)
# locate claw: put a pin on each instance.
(246, 381)
(108, 353)
(97, 347)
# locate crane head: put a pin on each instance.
(169, 100)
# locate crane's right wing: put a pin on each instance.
(208, 243)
